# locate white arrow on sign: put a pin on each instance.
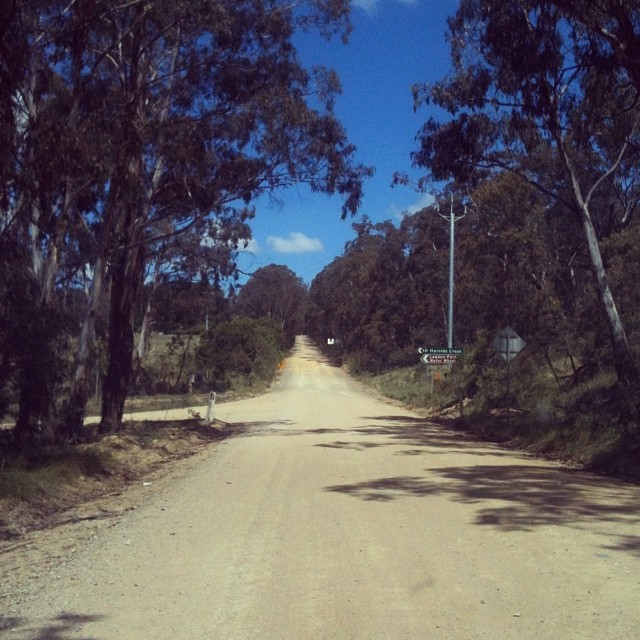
(438, 358)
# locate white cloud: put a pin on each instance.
(295, 242)
(252, 246)
(425, 200)
(372, 6)
(368, 5)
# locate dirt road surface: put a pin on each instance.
(337, 516)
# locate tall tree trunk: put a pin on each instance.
(626, 368)
(145, 328)
(76, 403)
(127, 276)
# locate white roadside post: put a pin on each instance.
(209, 418)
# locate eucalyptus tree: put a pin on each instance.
(427, 254)
(131, 125)
(527, 86)
(612, 30)
(511, 261)
(206, 106)
(339, 296)
(364, 299)
(46, 168)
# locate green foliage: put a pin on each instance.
(536, 91)
(168, 364)
(409, 385)
(245, 348)
(34, 351)
(518, 262)
(160, 172)
(42, 363)
(622, 255)
(275, 292)
(364, 300)
(387, 295)
(184, 306)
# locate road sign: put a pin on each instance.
(508, 344)
(439, 358)
(439, 351)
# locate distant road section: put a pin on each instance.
(337, 516)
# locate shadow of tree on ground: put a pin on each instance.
(509, 497)
(59, 628)
(423, 436)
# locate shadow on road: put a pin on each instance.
(59, 628)
(516, 497)
(515, 494)
(248, 429)
(508, 497)
(424, 437)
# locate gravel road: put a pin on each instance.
(337, 516)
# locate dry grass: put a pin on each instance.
(24, 478)
(412, 386)
(593, 423)
(34, 487)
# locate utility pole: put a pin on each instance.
(452, 244)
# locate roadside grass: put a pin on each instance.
(408, 385)
(163, 380)
(49, 473)
(239, 388)
(160, 402)
(24, 477)
(44, 482)
(592, 423)
(37, 487)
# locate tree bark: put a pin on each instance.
(626, 369)
(145, 327)
(127, 278)
(76, 403)
(625, 366)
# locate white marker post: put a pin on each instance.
(211, 407)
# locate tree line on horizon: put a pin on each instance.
(517, 264)
(133, 139)
(540, 138)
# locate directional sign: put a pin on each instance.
(508, 344)
(439, 351)
(439, 358)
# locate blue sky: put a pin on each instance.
(394, 44)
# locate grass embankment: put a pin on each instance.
(592, 424)
(37, 485)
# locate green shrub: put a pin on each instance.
(246, 348)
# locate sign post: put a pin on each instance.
(437, 356)
(508, 344)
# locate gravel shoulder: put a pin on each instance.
(331, 514)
